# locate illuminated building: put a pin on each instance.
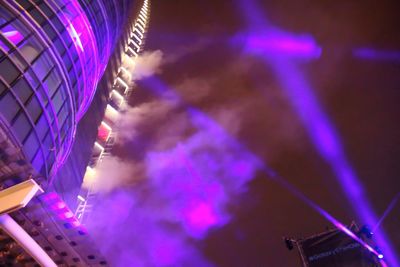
(58, 59)
(120, 91)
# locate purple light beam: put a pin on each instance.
(320, 129)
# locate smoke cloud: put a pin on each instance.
(145, 65)
(185, 172)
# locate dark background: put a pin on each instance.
(360, 96)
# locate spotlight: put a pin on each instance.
(366, 232)
(380, 256)
(288, 243)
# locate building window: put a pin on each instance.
(22, 90)
(52, 82)
(31, 146)
(34, 109)
(42, 66)
(30, 49)
(31, 77)
(19, 61)
(42, 127)
(8, 71)
(2, 88)
(9, 107)
(38, 162)
(22, 126)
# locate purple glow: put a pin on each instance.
(14, 36)
(81, 32)
(200, 217)
(326, 141)
(375, 54)
(75, 36)
(187, 190)
(319, 127)
(387, 211)
(185, 193)
(284, 45)
(58, 207)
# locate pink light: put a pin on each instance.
(75, 36)
(75, 223)
(201, 216)
(298, 46)
(49, 196)
(69, 214)
(14, 36)
(58, 206)
(103, 132)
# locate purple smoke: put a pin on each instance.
(185, 192)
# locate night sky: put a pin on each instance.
(207, 71)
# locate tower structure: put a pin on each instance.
(57, 57)
(107, 130)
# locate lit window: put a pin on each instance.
(12, 34)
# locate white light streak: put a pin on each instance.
(132, 51)
(138, 32)
(120, 81)
(142, 17)
(106, 125)
(141, 22)
(117, 95)
(100, 147)
(140, 27)
(135, 45)
(137, 38)
(125, 71)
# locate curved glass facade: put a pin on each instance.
(52, 55)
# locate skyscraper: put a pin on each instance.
(57, 57)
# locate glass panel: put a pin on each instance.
(21, 126)
(52, 82)
(9, 107)
(41, 94)
(31, 77)
(42, 127)
(24, 3)
(34, 109)
(2, 88)
(12, 34)
(6, 47)
(50, 32)
(50, 160)
(37, 16)
(38, 162)
(42, 65)
(46, 10)
(30, 49)
(8, 71)
(47, 142)
(22, 90)
(57, 101)
(63, 114)
(18, 60)
(31, 146)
